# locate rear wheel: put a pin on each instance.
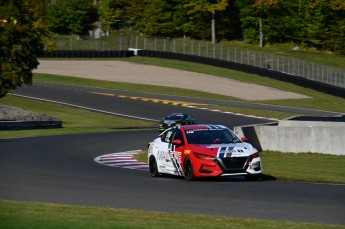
(188, 170)
(153, 167)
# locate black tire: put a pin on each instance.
(188, 170)
(153, 167)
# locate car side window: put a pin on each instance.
(178, 135)
(166, 136)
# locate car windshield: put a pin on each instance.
(211, 136)
(174, 117)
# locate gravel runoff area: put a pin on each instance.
(128, 72)
(8, 113)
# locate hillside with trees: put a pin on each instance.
(27, 26)
(310, 23)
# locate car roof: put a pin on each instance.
(172, 114)
(203, 127)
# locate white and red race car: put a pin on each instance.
(196, 151)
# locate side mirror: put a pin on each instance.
(244, 139)
(177, 142)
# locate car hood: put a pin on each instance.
(225, 150)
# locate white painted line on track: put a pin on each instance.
(86, 108)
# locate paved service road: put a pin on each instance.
(61, 169)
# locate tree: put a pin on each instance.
(326, 25)
(20, 44)
(211, 7)
(113, 13)
(72, 16)
(156, 18)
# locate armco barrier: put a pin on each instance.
(86, 54)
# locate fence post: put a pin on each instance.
(214, 51)
(184, 47)
(254, 59)
(221, 52)
(192, 48)
(248, 57)
(155, 44)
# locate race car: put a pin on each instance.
(197, 151)
(175, 119)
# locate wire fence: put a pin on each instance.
(312, 71)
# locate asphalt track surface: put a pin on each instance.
(61, 169)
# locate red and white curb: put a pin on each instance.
(122, 160)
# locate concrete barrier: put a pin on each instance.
(297, 136)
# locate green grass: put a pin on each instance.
(38, 215)
(304, 167)
(301, 167)
(92, 122)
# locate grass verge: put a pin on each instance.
(92, 122)
(304, 167)
(37, 215)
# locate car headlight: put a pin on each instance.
(255, 155)
(203, 156)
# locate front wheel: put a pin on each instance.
(153, 167)
(188, 170)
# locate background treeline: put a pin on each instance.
(313, 23)
(310, 23)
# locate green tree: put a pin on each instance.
(72, 16)
(156, 18)
(210, 7)
(20, 44)
(114, 13)
(326, 25)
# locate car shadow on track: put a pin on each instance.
(263, 177)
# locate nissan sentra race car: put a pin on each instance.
(175, 119)
(196, 151)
